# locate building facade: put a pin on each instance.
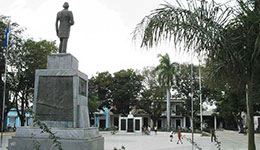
(136, 119)
(14, 121)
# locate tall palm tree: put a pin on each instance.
(213, 29)
(166, 73)
(240, 56)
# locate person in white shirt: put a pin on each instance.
(171, 136)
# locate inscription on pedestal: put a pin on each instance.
(55, 98)
(82, 87)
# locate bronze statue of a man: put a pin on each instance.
(63, 22)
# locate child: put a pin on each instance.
(171, 136)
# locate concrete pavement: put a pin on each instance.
(161, 141)
(6, 136)
(230, 140)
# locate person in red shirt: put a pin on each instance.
(179, 136)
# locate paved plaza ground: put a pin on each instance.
(230, 140)
(160, 141)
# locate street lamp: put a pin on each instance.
(192, 129)
(200, 96)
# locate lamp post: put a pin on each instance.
(200, 97)
(192, 129)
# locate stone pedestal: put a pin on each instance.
(60, 94)
(60, 101)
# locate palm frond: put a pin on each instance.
(195, 26)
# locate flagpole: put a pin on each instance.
(4, 91)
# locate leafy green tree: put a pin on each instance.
(23, 58)
(103, 82)
(8, 105)
(232, 105)
(15, 42)
(3, 23)
(23, 61)
(99, 92)
(125, 90)
(93, 102)
(166, 72)
(184, 81)
(152, 96)
(230, 91)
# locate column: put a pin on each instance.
(119, 123)
(7, 120)
(17, 122)
(106, 112)
(215, 122)
(191, 123)
(151, 123)
(96, 120)
(184, 122)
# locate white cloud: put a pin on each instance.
(100, 38)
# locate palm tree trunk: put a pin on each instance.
(168, 108)
(250, 118)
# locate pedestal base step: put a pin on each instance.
(27, 138)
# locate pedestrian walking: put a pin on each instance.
(213, 135)
(149, 130)
(145, 131)
(179, 136)
(155, 130)
(9, 127)
(171, 136)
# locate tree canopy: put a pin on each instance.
(125, 90)
(23, 58)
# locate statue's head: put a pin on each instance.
(66, 5)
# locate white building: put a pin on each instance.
(135, 120)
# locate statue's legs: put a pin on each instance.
(63, 45)
(60, 45)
